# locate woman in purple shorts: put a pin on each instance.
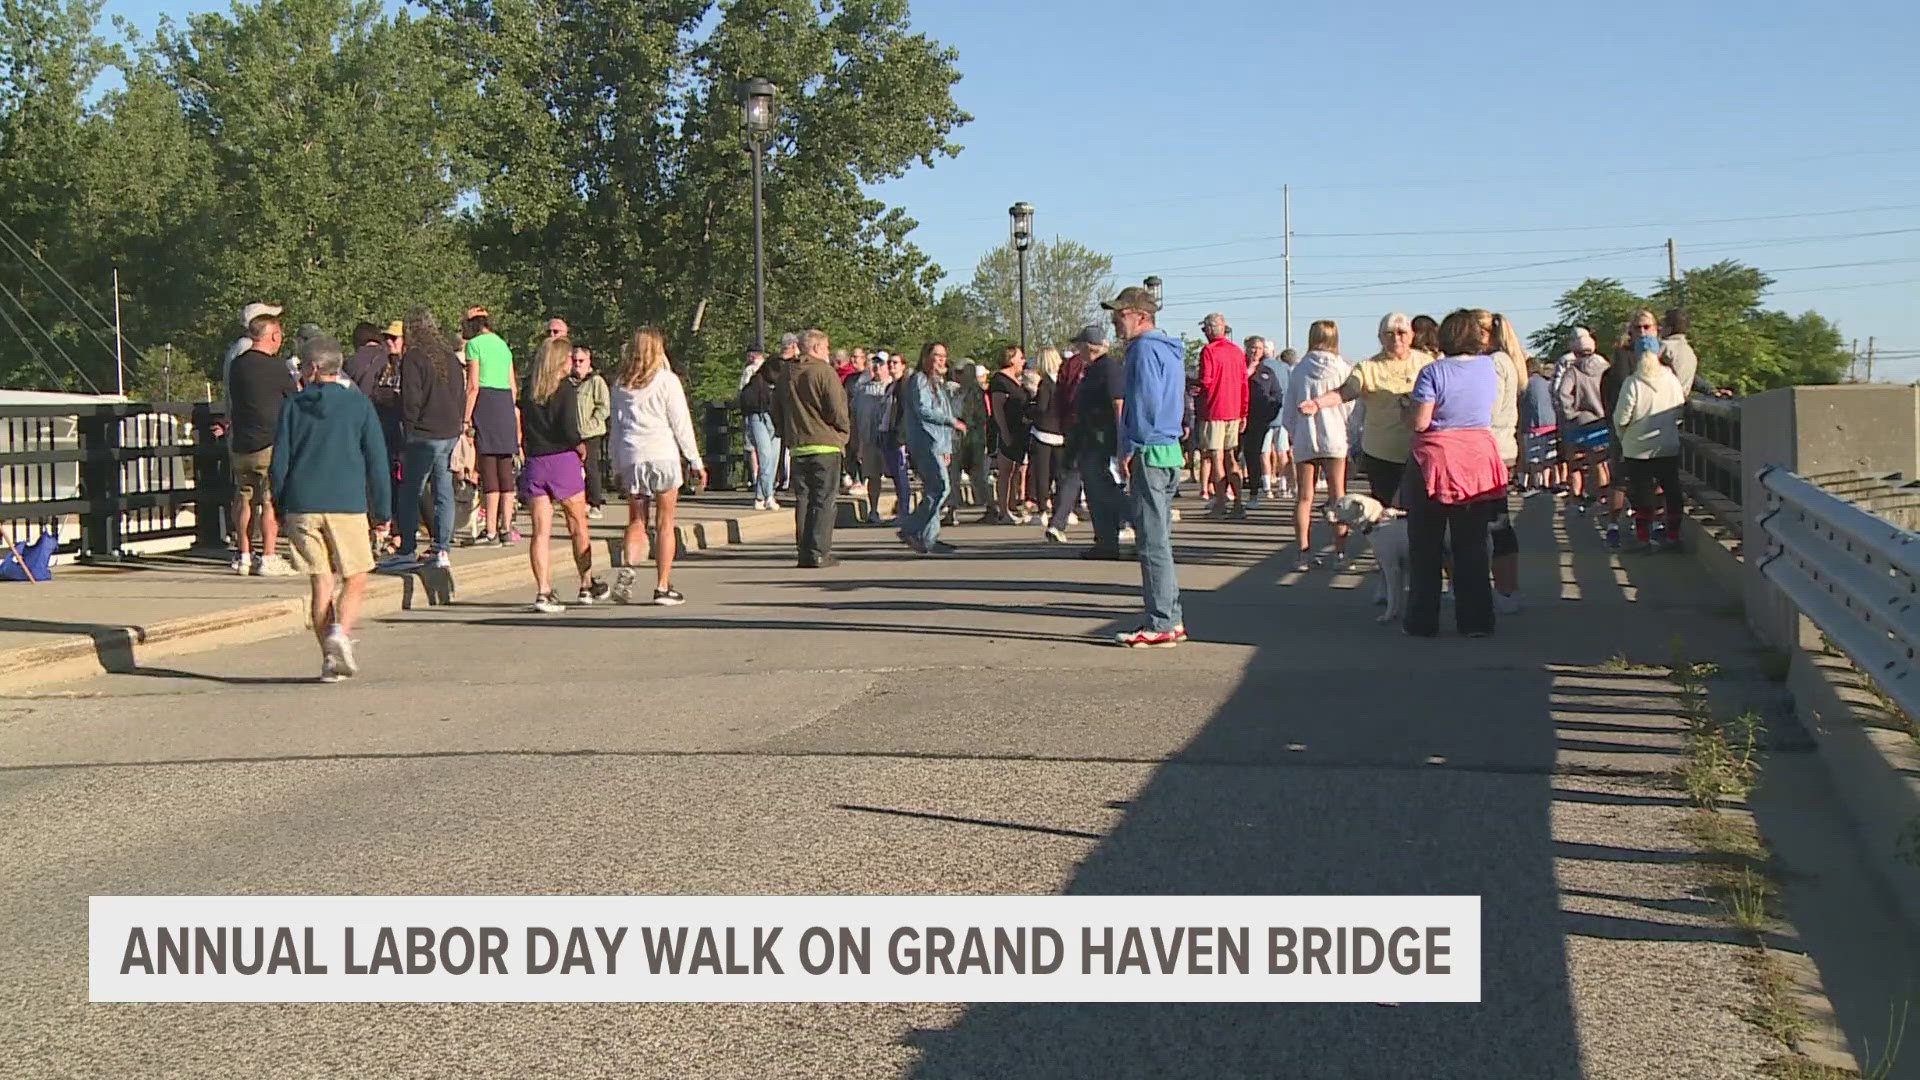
(555, 473)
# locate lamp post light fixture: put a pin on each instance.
(756, 97)
(1020, 225)
(1153, 288)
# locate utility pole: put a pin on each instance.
(168, 393)
(1286, 254)
(119, 362)
(1869, 359)
(1853, 365)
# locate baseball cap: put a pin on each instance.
(1091, 334)
(395, 329)
(1132, 298)
(255, 310)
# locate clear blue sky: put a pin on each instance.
(1139, 127)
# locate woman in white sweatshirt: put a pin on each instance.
(1648, 418)
(650, 432)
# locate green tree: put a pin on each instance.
(1741, 344)
(1065, 280)
(620, 193)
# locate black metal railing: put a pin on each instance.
(1710, 457)
(110, 476)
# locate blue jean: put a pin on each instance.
(766, 447)
(1106, 503)
(1153, 490)
(922, 526)
(896, 458)
(421, 462)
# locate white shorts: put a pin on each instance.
(650, 477)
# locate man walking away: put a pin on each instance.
(330, 472)
(810, 412)
(1264, 394)
(1223, 413)
(258, 385)
(1150, 459)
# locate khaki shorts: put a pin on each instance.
(251, 475)
(1220, 435)
(330, 543)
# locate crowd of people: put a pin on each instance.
(344, 451)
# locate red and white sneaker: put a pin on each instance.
(1144, 638)
(1180, 632)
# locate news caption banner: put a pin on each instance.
(784, 948)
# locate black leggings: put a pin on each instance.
(1431, 528)
(1253, 446)
(1643, 474)
(1042, 463)
(1384, 477)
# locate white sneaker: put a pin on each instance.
(1073, 518)
(759, 504)
(595, 513)
(773, 504)
(1054, 536)
(442, 561)
(857, 489)
(328, 673)
(548, 604)
(1506, 603)
(242, 565)
(339, 652)
(276, 566)
(1126, 535)
(623, 585)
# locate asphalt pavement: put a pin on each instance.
(904, 724)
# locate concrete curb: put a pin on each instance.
(125, 648)
(1874, 766)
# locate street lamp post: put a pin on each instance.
(756, 118)
(1153, 288)
(1020, 222)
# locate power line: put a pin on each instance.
(1531, 229)
(1510, 178)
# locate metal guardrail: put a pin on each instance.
(113, 475)
(1856, 575)
(1710, 458)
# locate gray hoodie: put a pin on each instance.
(1579, 390)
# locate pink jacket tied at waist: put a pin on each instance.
(1460, 465)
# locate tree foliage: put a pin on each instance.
(537, 156)
(1065, 280)
(1742, 345)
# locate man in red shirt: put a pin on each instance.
(1222, 415)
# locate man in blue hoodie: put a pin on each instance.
(330, 472)
(1150, 459)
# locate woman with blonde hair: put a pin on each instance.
(1318, 436)
(1381, 384)
(1044, 455)
(1510, 368)
(555, 473)
(651, 432)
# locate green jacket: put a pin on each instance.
(594, 402)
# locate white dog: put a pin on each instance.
(1386, 529)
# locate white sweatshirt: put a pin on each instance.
(652, 424)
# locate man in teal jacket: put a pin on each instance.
(330, 470)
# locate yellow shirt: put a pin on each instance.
(1381, 382)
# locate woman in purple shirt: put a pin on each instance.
(1453, 394)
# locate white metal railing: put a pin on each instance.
(1856, 575)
